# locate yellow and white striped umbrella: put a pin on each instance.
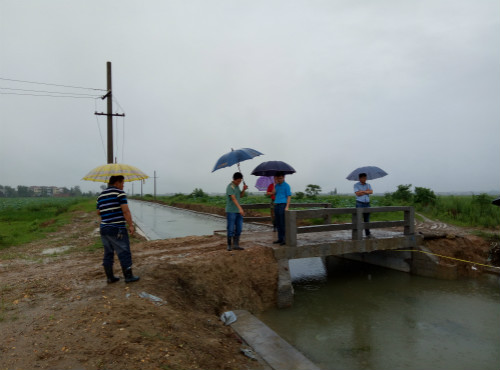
(103, 173)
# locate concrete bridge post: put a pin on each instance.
(285, 287)
(291, 228)
(357, 224)
(409, 217)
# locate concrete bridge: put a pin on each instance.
(346, 240)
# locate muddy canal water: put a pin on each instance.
(366, 317)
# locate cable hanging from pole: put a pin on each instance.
(51, 84)
(47, 95)
(50, 92)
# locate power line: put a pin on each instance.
(50, 92)
(52, 96)
(116, 101)
(50, 84)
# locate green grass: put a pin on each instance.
(464, 211)
(23, 220)
(468, 211)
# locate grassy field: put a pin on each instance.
(464, 211)
(25, 219)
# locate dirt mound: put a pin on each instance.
(57, 311)
(462, 248)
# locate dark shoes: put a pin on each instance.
(109, 274)
(127, 273)
(129, 276)
(280, 242)
(234, 244)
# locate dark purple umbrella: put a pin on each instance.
(270, 168)
(496, 202)
(263, 182)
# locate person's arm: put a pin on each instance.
(364, 192)
(288, 196)
(235, 201)
(128, 218)
(269, 192)
(245, 187)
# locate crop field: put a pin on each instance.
(464, 211)
(25, 219)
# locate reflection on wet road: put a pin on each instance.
(162, 222)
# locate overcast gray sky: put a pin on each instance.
(327, 86)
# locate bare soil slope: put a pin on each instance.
(56, 311)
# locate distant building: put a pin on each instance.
(46, 191)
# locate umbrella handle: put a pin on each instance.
(239, 170)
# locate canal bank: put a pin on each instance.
(442, 328)
(58, 312)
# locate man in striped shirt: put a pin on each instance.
(112, 208)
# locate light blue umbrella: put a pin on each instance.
(372, 172)
(235, 156)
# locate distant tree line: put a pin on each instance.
(42, 191)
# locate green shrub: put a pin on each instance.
(424, 196)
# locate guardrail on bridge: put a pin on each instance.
(270, 206)
(357, 225)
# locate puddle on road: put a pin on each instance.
(57, 249)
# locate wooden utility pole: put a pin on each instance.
(110, 111)
(155, 185)
(109, 114)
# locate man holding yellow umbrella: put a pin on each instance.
(113, 210)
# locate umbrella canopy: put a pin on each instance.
(235, 156)
(496, 202)
(270, 168)
(103, 173)
(263, 182)
(372, 172)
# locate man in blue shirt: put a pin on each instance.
(112, 208)
(283, 195)
(363, 190)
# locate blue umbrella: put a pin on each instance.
(270, 168)
(372, 172)
(235, 156)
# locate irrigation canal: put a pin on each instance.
(367, 317)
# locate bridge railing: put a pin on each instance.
(357, 225)
(292, 205)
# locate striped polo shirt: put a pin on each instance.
(109, 205)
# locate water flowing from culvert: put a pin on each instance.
(367, 317)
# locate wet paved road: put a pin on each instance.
(158, 221)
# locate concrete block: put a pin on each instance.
(273, 349)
